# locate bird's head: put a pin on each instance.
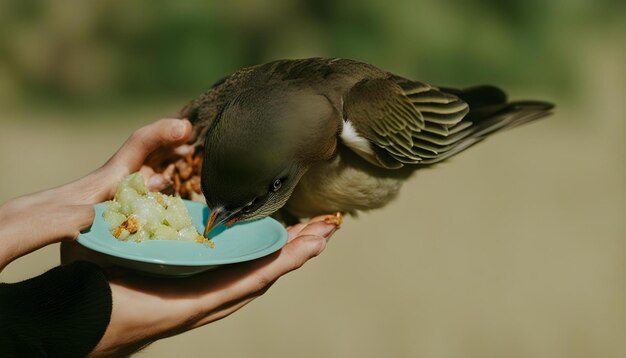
(257, 149)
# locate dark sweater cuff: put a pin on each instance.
(63, 312)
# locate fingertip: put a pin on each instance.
(186, 121)
(320, 228)
(184, 149)
(318, 218)
(156, 182)
(181, 129)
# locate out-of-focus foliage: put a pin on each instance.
(78, 50)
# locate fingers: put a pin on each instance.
(254, 277)
(183, 150)
(169, 154)
(157, 181)
(166, 308)
(100, 185)
(144, 141)
(295, 230)
(232, 287)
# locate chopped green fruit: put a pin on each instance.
(137, 214)
(113, 218)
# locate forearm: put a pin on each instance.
(30, 222)
(20, 220)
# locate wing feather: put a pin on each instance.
(411, 121)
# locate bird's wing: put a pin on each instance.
(440, 122)
(203, 110)
(405, 122)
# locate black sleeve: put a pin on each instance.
(62, 313)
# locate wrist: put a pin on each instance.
(30, 222)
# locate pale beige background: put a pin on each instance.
(516, 248)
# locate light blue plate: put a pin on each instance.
(238, 243)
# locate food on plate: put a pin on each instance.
(186, 176)
(138, 214)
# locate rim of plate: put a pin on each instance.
(88, 240)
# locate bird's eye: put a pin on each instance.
(278, 183)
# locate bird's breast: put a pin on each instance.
(337, 185)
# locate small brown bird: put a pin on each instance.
(318, 136)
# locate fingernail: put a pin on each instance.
(155, 182)
(179, 130)
(328, 230)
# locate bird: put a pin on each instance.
(307, 137)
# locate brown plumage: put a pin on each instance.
(332, 135)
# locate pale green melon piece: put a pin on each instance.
(176, 214)
(139, 236)
(126, 196)
(136, 182)
(124, 234)
(160, 198)
(188, 233)
(146, 209)
(161, 217)
(113, 218)
(164, 232)
(113, 206)
(151, 227)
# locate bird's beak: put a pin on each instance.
(218, 215)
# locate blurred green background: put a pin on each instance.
(516, 248)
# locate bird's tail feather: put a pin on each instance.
(490, 112)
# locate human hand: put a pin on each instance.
(146, 309)
(32, 221)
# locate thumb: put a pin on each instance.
(100, 184)
(133, 153)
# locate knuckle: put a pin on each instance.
(293, 261)
(143, 135)
(315, 245)
(138, 135)
(303, 249)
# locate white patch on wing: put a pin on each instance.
(354, 141)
